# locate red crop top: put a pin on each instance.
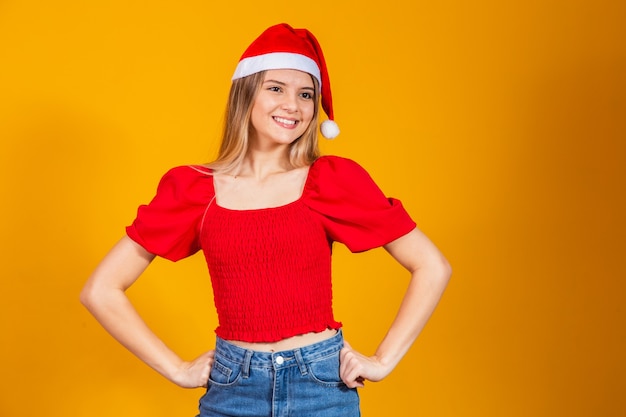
(270, 268)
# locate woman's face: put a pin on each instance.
(283, 108)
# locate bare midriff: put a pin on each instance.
(290, 343)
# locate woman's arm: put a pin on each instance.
(104, 296)
(430, 273)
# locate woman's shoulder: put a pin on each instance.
(183, 174)
(188, 171)
(337, 170)
(353, 209)
(335, 164)
(187, 183)
(336, 177)
(333, 160)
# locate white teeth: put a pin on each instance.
(285, 121)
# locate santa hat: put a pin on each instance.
(283, 47)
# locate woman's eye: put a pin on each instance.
(307, 96)
(274, 88)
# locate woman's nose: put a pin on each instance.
(290, 103)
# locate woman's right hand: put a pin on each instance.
(195, 374)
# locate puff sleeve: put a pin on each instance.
(353, 209)
(169, 226)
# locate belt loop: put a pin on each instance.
(246, 363)
(300, 361)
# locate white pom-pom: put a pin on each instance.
(329, 129)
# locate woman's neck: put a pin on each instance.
(262, 164)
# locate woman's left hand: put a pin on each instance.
(355, 367)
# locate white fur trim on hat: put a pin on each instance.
(276, 60)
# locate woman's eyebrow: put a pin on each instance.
(274, 81)
(284, 84)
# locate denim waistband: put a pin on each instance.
(283, 359)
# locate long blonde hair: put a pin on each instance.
(236, 134)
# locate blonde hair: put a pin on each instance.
(236, 134)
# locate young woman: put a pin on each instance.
(265, 214)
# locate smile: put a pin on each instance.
(285, 121)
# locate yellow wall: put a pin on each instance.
(501, 126)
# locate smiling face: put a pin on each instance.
(283, 108)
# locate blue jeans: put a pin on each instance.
(303, 382)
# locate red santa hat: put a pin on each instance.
(283, 47)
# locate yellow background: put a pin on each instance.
(500, 125)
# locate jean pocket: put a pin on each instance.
(325, 371)
(224, 372)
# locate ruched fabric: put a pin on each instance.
(270, 268)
